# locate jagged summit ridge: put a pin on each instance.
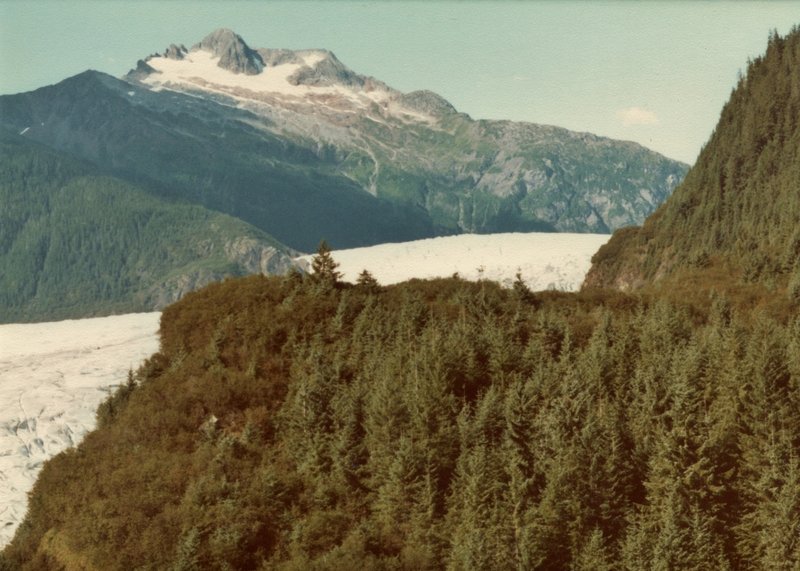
(233, 53)
(312, 80)
(176, 52)
(315, 67)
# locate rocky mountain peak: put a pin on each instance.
(427, 102)
(219, 40)
(326, 70)
(233, 53)
(175, 52)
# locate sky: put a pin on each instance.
(657, 73)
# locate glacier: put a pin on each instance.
(545, 260)
(52, 378)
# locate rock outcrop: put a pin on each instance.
(233, 53)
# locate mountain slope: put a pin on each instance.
(304, 148)
(737, 213)
(469, 176)
(202, 152)
(76, 242)
(53, 375)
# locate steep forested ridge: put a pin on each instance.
(292, 423)
(738, 210)
(75, 241)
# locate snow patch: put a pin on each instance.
(313, 58)
(546, 261)
(199, 68)
(52, 378)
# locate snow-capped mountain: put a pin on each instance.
(312, 81)
(415, 148)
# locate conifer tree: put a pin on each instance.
(323, 266)
(367, 281)
(594, 556)
(521, 289)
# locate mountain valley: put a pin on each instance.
(337, 418)
(297, 148)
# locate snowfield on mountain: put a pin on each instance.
(221, 160)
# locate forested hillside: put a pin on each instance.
(736, 216)
(76, 242)
(292, 423)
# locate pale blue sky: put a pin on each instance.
(654, 72)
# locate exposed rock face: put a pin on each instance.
(234, 55)
(273, 57)
(326, 72)
(141, 71)
(175, 52)
(248, 255)
(427, 102)
(256, 257)
(176, 287)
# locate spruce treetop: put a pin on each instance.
(323, 266)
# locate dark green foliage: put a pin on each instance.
(738, 209)
(453, 425)
(323, 266)
(74, 242)
(522, 290)
(436, 425)
(367, 281)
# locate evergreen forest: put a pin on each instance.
(297, 423)
(75, 241)
(301, 423)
